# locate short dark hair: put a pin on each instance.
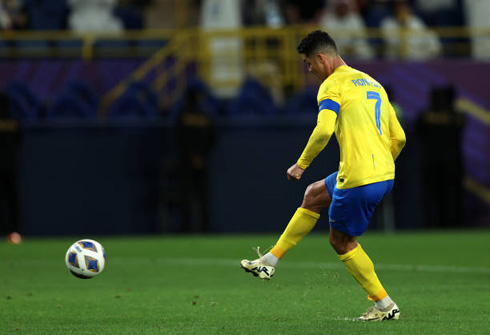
(316, 40)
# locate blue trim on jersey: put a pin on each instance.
(329, 104)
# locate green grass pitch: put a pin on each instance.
(194, 285)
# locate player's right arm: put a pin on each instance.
(319, 137)
(397, 135)
(329, 101)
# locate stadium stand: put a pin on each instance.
(138, 102)
(77, 101)
(302, 103)
(24, 104)
(46, 14)
(209, 103)
(253, 99)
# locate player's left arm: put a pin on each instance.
(397, 135)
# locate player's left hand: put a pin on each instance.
(295, 172)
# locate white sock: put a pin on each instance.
(384, 303)
(270, 259)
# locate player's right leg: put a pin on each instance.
(349, 213)
(362, 269)
(304, 219)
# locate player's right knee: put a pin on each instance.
(310, 199)
(342, 243)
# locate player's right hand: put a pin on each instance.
(295, 172)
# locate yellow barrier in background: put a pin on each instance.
(222, 58)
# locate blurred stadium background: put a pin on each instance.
(165, 116)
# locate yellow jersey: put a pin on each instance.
(369, 135)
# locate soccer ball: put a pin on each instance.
(85, 258)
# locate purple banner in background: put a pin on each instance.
(410, 82)
(46, 78)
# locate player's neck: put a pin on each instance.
(335, 63)
(338, 61)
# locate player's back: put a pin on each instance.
(362, 127)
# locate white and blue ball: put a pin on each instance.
(85, 258)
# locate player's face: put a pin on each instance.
(315, 67)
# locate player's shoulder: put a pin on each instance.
(357, 78)
(327, 88)
(344, 76)
(332, 81)
(350, 73)
(326, 84)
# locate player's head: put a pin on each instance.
(319, 52)
(317, 41)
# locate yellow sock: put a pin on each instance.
(361, 267)
(300, 225)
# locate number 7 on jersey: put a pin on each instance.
(377, 108)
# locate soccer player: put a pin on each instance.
(357, 109)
